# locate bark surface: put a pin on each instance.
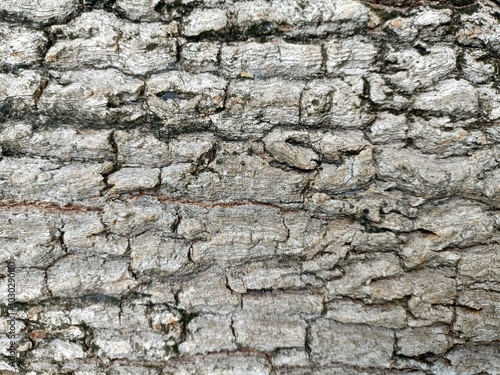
(251, 187)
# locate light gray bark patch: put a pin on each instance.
(282, 187)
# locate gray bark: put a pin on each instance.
(251, 187)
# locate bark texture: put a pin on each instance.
(251, 187)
